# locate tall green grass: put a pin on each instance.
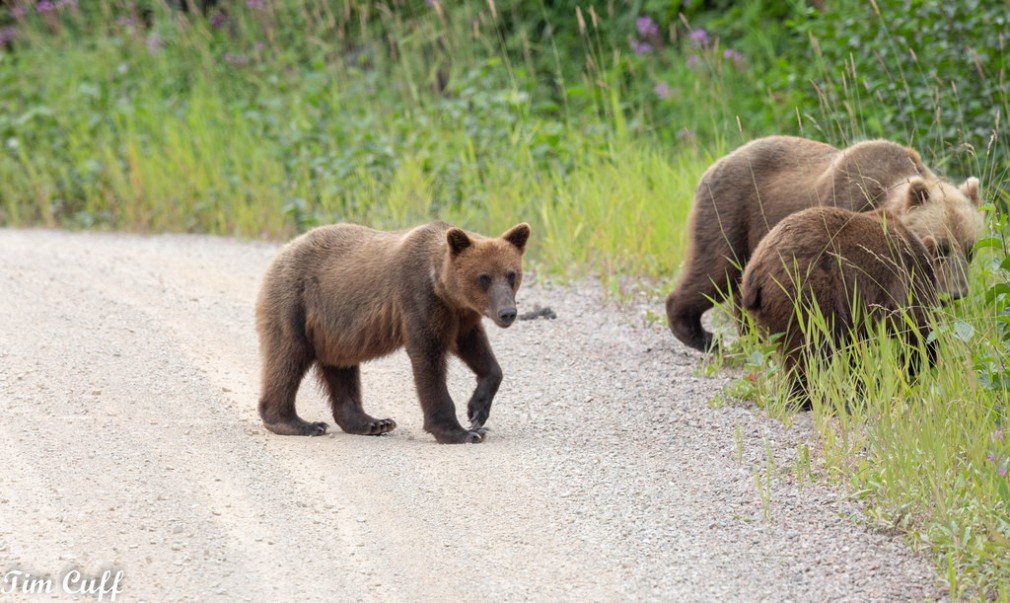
(929, 455)
(184, 126)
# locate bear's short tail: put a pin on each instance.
(752, 296)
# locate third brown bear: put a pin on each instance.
(743, 195)
(856, 269)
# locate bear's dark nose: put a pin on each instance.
(507, 315)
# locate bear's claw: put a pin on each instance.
(381, 426)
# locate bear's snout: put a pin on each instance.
(501, 307)
(506, 316)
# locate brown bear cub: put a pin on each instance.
(341, 295)
(743, 195)
(855, 268)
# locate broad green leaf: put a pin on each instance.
(963, 331)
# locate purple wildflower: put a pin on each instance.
(699, 37)
(258, 46)
(430, 3)
(217, 20)
(998, 434)
(7, 35)
(663, 90)
(640, 48)
(236, 60)
(693, 62)
(992, 458)
(733, 55)
(18, 12)
(153, 44)
(127, 21)
(44, 6)
(255, 4)
(1002, 472)
(647, 28)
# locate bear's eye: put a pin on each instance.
(511, 276)
(943, 250)
(484, 281)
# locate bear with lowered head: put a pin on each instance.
(856, 269)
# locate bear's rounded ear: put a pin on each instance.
(518, 235)
(458, 240)
(930, 244)
(918, 192)
(970, 189)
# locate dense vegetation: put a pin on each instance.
(262, 118)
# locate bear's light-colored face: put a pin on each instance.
(951, 216)
(485, 274)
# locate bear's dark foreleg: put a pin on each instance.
(428, 361)
(474, 349)
(283, 370)
(343, 384)
(684, 317)
(708, 274)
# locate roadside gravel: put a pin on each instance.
(129, 440)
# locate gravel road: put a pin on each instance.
(130, 442)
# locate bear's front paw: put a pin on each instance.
(460, 436)
(297, 426)
(380, 426)
(475, 437)
(477, 419)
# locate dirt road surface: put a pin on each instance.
(130, 442)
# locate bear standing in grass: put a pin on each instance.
(854, 268)
(743, 195)
(341, 295)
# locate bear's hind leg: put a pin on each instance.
(343, 384)
(282, 374)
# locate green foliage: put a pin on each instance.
(928, 455)
(929, 73)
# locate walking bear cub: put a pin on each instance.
(743, 195)
(856, 268)
(341, 295)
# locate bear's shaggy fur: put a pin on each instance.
(855, 268)
(743, 195)
(341, 295)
